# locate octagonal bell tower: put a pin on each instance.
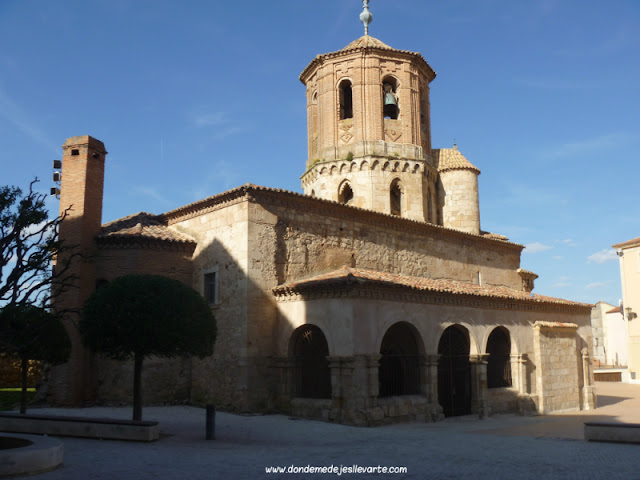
(369, 133)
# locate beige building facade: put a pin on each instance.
(629, 256)
(373, 297)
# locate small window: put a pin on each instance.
(346, 100)
(395, 198)
(345, 195)
(75, 151)
(211, 288)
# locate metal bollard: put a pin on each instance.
(211, 422)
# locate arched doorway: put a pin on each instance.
(312, 376)
(454, 372)
(499, 362)
(399, 372)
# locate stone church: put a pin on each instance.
(373, 297)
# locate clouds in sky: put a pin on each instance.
(604, 255)
(536, 247)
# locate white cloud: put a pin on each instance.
(569, 242)
(596, 285)
(558, 257)
(605, 255)
(589, 145)
(537, 247)
(210, 119)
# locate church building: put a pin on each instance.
(372, 297)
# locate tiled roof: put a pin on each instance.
(452, 159)
(362, 276)
(247, 189)
(628, 243)
(141, 225)
(615, 310)
(367, 41)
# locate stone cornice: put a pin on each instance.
(144, 243)
(404, 294)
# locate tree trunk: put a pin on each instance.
(23, 395)
(137, 386)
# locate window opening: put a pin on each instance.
(499, 362)
(75, 151)
(346, 100)
(345, 195)
(312, 377)
(390, 98)
(399, 371)
(210, 293)
(454, 372)
(396, 198)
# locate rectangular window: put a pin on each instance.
(210, 288)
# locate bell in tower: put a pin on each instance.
(369, 128)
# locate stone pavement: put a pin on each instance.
(502, 446)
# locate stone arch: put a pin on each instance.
(311, 373)
(406, 167)
(385, 167)
(324, 171)
(375, 165)
(454, 371)
(333, 170)
(353, 167)
(345, 99)
(364, 165)
(345, 193)
(396, 197)
(399, 372)
(416, 167)
(499, 360)
(396, 167)
(343, 168)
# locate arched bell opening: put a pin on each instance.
(499, 361)
(399, 371)
(345, 95)
(391, 108)
(454, 371)
(311, 372)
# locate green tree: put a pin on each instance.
(137, 316)
(32, 333)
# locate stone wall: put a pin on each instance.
(558, 365)
(459, 200)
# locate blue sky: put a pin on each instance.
(194, 97)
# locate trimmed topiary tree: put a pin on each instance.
(32, 333)
(138, 316)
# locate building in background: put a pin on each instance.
(629, 255)
(610, 343)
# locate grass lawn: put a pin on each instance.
(10, 397)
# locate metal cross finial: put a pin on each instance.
(365, 16)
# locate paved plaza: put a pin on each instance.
(502, 446)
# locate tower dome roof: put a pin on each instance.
(452, 159)
(366, 41)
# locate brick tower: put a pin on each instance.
(81, 198)
(369, 129)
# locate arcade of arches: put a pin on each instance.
(404, 381)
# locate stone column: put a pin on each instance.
(518, 373)
(479, 389)
(588, 398)
(372, 365)
(285, 371)
(429, 383)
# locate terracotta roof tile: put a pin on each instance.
(615, 310)
(363, 276)
(141, 225)
(452, 159)
(629, 243)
